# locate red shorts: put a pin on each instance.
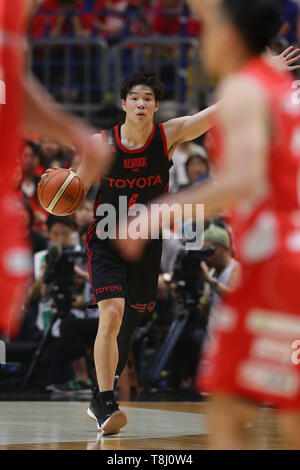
(15, 263)
(254, 350)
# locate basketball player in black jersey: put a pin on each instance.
(141, 152)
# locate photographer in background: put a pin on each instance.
(57, 288)
(77, 337)
(226, 268)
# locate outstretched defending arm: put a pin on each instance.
(190, 127)
(245, 126)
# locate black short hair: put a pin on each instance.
(143, 78)
(257, 21)
(67, 220)
(36, 149)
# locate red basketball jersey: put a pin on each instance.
(269, 223)
(12, 31)
(15, 256)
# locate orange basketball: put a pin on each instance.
(61, 192)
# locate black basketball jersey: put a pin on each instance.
(141, 175)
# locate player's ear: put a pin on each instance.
(156, 106)
(123, 103)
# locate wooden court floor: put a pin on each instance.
(151, 426)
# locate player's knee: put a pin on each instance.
(110, 322)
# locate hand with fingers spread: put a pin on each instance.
(286, 61)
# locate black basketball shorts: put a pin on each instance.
(112, 277)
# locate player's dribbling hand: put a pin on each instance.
(49, 170)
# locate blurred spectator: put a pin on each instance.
(178, 175)
(60, 231)
(138, 22)
(197, 168)
(83, 216)
(68, 22)
(42, 22)
(32, 152)
(77, 336)
(38, 241)
(82, 17)
(290, 21)
(53, 151)
(166, 24)
(29, 185)
(58, 18)
(43, 299)
(110, 19)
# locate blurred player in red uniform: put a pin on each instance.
(251, 358)
(24, 104)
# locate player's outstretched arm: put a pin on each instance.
(187, 128)
(190, 127)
